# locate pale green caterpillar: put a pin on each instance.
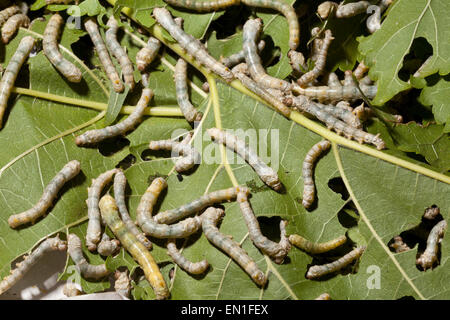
(429, 256)
(185, 264)
(316, 248)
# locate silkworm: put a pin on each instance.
(70, 289)
(303, 103)
(429, 256)
(261, 92)
(323, 296)
(13, 24)
(94, 229)
(106, 246)
(277, 251)
(180, 75)
(210, 219)
(326, 8)
(25, 265)
(92, 28)
(266, 173)
(297, 61)
(360, 70)
(190, 156)
(431, 212)
(251, 32)
(182, 262)
(239, 57)
(121, 128)
(110, 214)
(351, 9)
(203, 5)
(86, 269)
(12, 70)
(341, 113)
(5, 14)
(70, 170)
(192, 46)
(149, 199)
(120, 182)
(147, 54)
(316, 248)
(399, 245)
(122, 283)
(287, 10)
(51, 50)
(320, 61)
(204, 201)
(309, 189)
(321, 270)
(316, 43)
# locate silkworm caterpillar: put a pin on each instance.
(239, 57)
(92, 28)
(431, 212)
(204, 201)
(266, 173)
(190, 158)
(209, 221)
(11, 71)
(203, 5)
(86, 269)
(321, 270)
(251, 32)
(121, 128)
(399, 245)
(70, 289)
(326, 8)
(303, 103)
(185, 264)
(122, 283)
(147, 54)
(70, 170)
(309, 189)
(13, 24)
(297, 61)
(341, 113)
(118, 52)
(94, 229)
(351, 9)
(260, 91)
(120, 182)
(8, 12)
(320, 61)
(360, 71)
(316, 44)
(24, 266)
(277, 251)
(316, 248)
(190, 44)
(51, 50)
(287, 10)
(106, 246)
(180, 76)
(429, 256)
(110, 214)
(150, 227)
(323, 296)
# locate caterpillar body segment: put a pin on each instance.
(97, 135)
(203, 5)
(192, 46)
(5, 14)
(239, 57)
(106, 246)
(332, 80)
(318, 271)
(149, 198)
(309, 189)
(297, 61)
(191, 267)
(180, 76)
(122, 283)
(204, 201)
(251, 32)
(277, 251)
(360, 71)
(118, 52)
(399, 245)
(92, 28)
(316, 248)
(12, 70)
(431, 212)
(50, 244)
(120, 182)
(71, 290)
(430, 255)
(147, 54)
(13, 24)
(210, 219)
(266, 173)
(69, 171)
(351, 9)
(51, 50)
(342, 113)
(326, 8)
(190, 156)
(86, 269)
(94, 229)
(110, 214)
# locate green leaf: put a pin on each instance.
(385, 49)
(115, 103)
(91, 8)
(438, 96)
